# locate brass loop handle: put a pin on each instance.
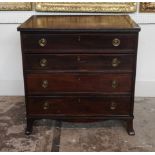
(43, 62)
(113, 106)
(44, 83)
(114, 84)
(46, 106)
(116, 42)
(42, 42)
(115, 62)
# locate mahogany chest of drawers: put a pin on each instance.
(79, 67)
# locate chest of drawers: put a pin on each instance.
(79, 67)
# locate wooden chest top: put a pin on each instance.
(108, 23)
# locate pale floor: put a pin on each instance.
(100, 136)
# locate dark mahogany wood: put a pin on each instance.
(130, 129)
(73, 43)
(78, 82)
(80, 62)
(119, 23)
(79, 68)
(29, 127)
(79, 106)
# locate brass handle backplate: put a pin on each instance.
(116, 42)
(42, 42)
(43, 62)
(46, 106)
(115, 62)
(114, 84)
(44, 83)
(113, 106)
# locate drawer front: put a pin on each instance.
(75, 82)
(79, 62)
(78, 43)
(79, 105)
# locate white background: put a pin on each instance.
(11, 76)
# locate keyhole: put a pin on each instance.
(78, 58)
(79, 100)
(79, 38)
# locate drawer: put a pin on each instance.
(76, 82)
(83, 105)
(79, 62)
(54, 43)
